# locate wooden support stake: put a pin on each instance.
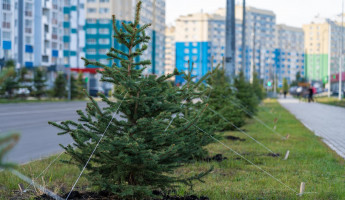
(287, 155)
(287, 137)
(275, 127)
(21, 188)
(301, 189)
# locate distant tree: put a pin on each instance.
(10, 64)
(60, 86)
(221, 99)
(8, 82)
(39, 83)
(245, 93)
(258, 87)
(285, 85)
(77, 87)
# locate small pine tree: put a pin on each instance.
(140, 149)
(39, 83)
(258, 88)
(246, 94)
(285, 85)
(221, 100)
(77, 87)
(59, 89)
(8, 82)
(6, 144)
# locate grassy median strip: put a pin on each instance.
(310, 161)
(331, 101)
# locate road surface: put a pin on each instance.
(325, 121)
(38, 139)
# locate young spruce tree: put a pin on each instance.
(246, 94)
(7, 142)
(39, 83)
(142, 145)
(222, 99)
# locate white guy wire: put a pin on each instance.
(49, 165)
(95, 148)
(242, 131)
(279, 181)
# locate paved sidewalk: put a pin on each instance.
(325, 121)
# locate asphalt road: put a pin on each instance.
(38, 139)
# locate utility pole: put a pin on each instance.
(230, 47)
(244, 36)
(154, 38)
(341, 51)
(252, 70)
(329, 60)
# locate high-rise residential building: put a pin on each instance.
(36, 33)
(25, 33)
(322, 39)
(169, 50)
(73, 33)
(48, 35)
(99, 30)
(289, 53)
(260, 45)
(201, 37)
(7, 31)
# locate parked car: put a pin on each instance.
(94, 91)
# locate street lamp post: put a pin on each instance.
(341, 51)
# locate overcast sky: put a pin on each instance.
(290, 12)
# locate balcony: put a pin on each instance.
(28, 13)
(6, 7)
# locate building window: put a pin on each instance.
(91, 51)
(103, 41)
(91, 41)
(186, 51)
(91, 1)
(54, 45)
(103, 10)
(195, 44)
(104, 61)
(104, 31)
(6, 4)
(6, 35)
(28, 9)
(91, 31)
(91, 21)
(195, 51)
(27, 40)
(6, 20)
(104, 21)
(91, 10)
(103, 51)
(28, 26)
(103, 1)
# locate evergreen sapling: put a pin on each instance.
(137, 153)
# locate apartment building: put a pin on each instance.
(200, 37)
(8, 34)
(322, 48)
(288, 53)
(99, 30)
(170, 50)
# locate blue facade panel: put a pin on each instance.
(55, 53)
(6, 45)
(29, 64)
(195, 52)
(29, 49)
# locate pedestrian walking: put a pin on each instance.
(311, 93)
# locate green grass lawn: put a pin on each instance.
(310, 161)
(334, 101)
